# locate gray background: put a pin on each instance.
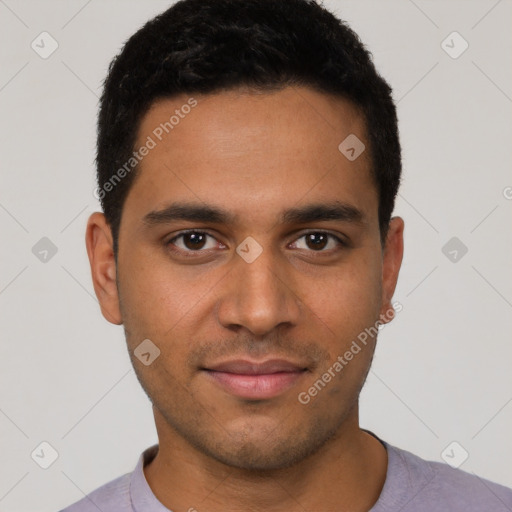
(442, 369)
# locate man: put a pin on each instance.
(248, 162)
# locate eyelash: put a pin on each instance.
(192, 253)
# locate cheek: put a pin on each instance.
(160, 308)
(350, 308)
(349, 299)
(156, 301)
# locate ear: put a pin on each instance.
(99, 242)
(391, 262)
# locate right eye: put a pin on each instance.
(193, 242)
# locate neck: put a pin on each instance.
(346, 473)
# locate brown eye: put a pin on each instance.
(193, 241)
(318, 241)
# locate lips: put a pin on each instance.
(255, 380)
(244, 367)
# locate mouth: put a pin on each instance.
(255, 380)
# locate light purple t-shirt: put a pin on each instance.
(412, 485)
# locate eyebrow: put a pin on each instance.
(196, 212)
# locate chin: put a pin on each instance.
(268, 450)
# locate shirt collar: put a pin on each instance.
(143, 499)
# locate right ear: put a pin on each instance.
(100, 249)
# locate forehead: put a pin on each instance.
(249, 151)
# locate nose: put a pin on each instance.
(258, 296)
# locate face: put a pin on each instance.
(250, 256)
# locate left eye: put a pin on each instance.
(318, 241)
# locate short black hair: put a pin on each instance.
(209, 46)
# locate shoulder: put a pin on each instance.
(111, 497)
(117, 495)
(421, 484)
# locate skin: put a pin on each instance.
(254, 155)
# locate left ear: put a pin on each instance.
(391, 262)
